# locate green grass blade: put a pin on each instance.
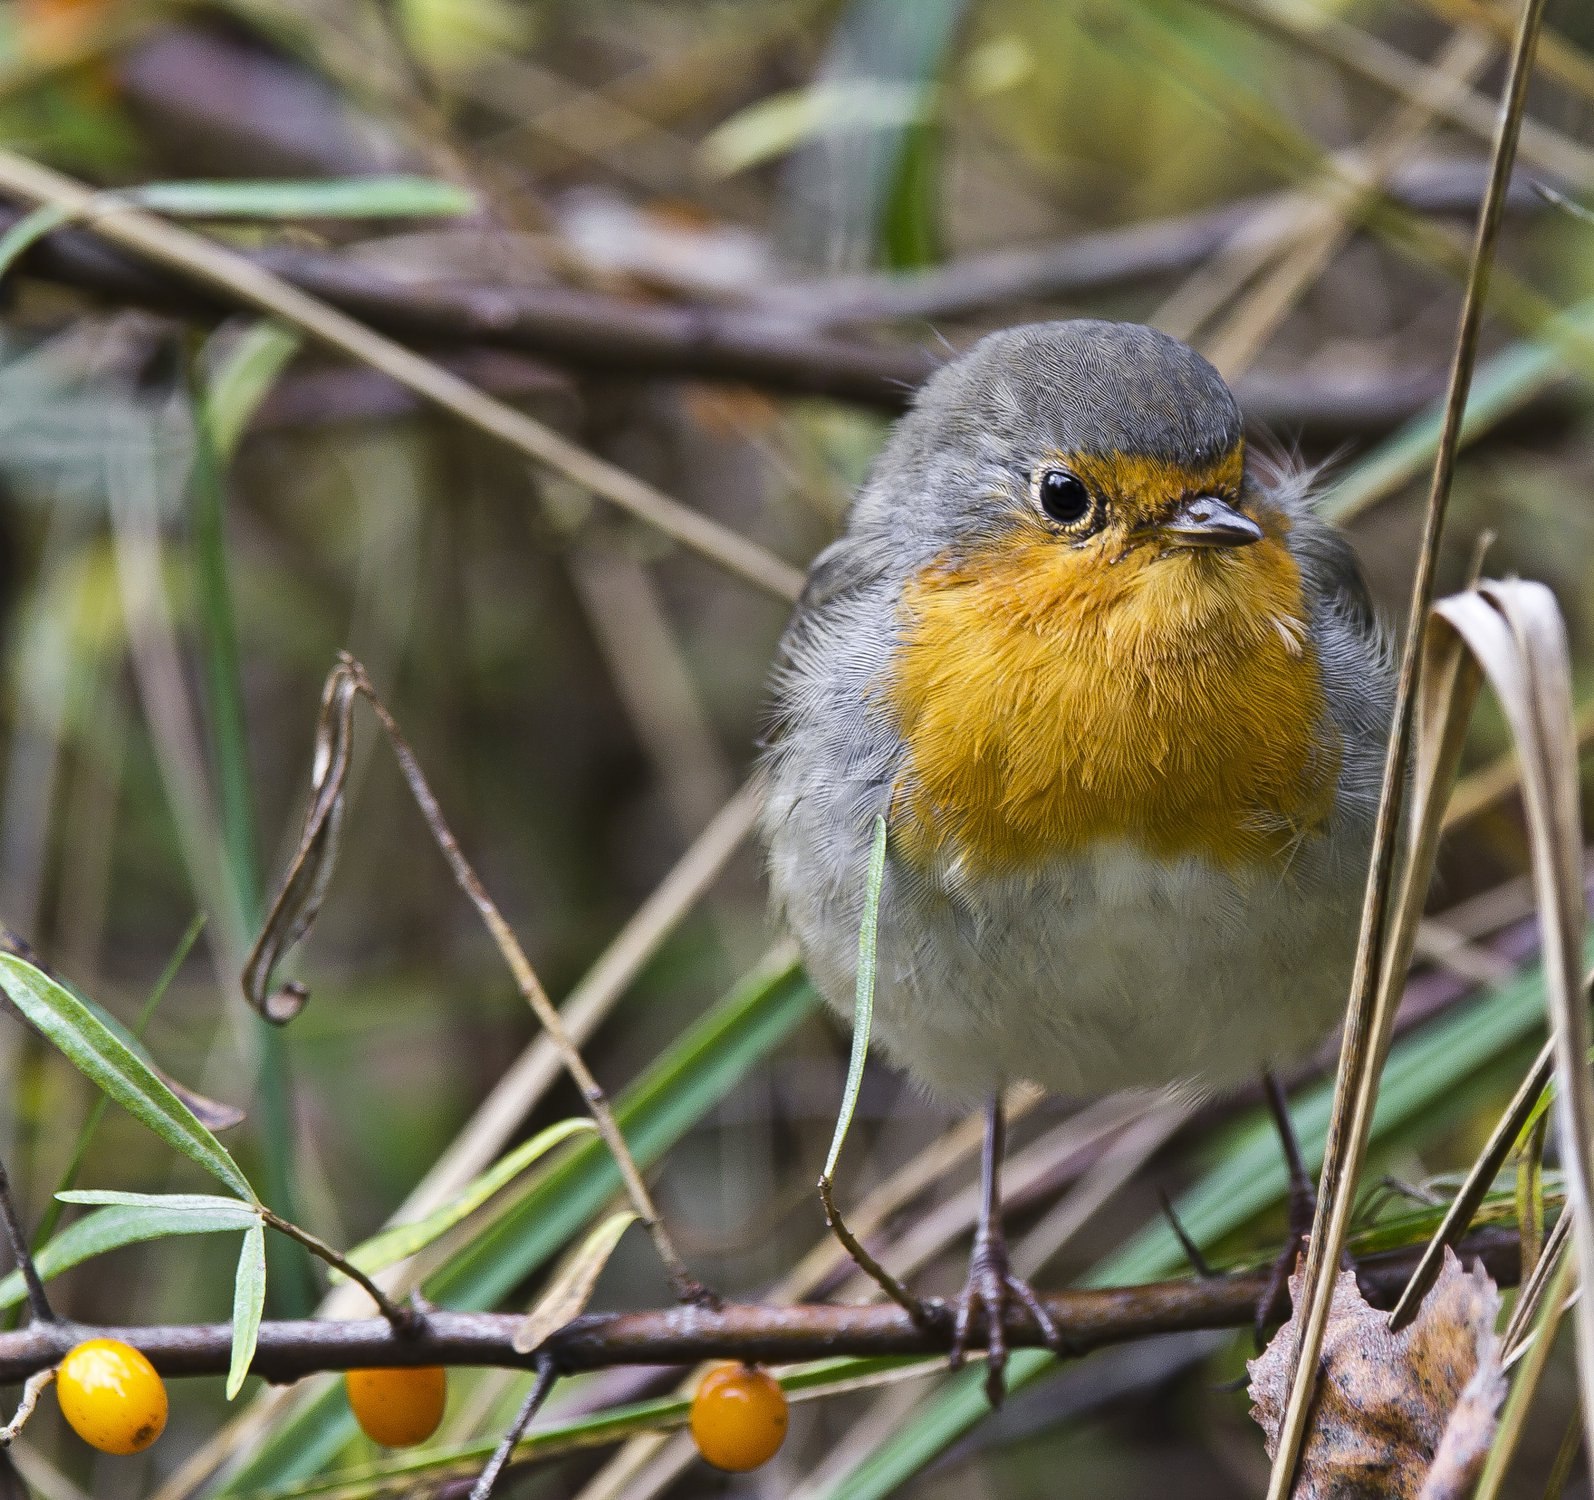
(1502, 385)
(242, 381)
(28, 231)
(386, 197)
(403, 1240)
(243, 375)
(91, 1047)
(863, 1002)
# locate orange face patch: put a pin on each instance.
(1056, 695)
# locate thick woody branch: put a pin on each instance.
(686, 1334)
(777, 345)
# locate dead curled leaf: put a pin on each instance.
(1397, 1416)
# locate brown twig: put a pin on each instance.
(38, 1301)
(774, 344)
(547, 1373)
(37, 1384)
(686, 1286)
(681, 1335)
(403, 1318)
(865, 1261)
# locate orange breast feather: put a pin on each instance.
(1053, 698)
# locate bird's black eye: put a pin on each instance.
(1063, 497)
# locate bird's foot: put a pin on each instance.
(990, 1290)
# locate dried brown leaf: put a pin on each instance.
(1404, 1415)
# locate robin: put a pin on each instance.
(1122, 701)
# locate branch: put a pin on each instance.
(1088, 1319)
(212, 264)
(774, 345)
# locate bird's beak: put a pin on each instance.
(1206, 521)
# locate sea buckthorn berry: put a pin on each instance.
(112, 1396)
(398, 1408)
(738, 1417)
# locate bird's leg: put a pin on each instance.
(991, 1286)
(1302, 1205)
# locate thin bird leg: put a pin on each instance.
(992, 1287)
(1302, 1207)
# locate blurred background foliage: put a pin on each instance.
(894, 176)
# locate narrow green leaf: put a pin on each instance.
(130, 1224)
(28, 231)
(779, 124)
(248, 1306)
(241, 381)
(403, 1240)
(91, 1123)
(176, 1202)
(387, 197)
(863, 1000)
(90, 1046)
(1503, 383)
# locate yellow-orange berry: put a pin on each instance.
(112, 1396)
(738, 1417)
(398, 1408)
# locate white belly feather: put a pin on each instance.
(1105, 971)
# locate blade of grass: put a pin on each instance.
(404, 1240)
(862, 1024)
(295, 1287)
(383, 197)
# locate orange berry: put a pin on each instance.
(112, 1396)
(739, 1417)
(398, 1408)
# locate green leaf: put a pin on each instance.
(248, 1306)
(129, 1223)
(863, 1001)
(177, 1202)
(387, 197)
(241, 381)
(403, 1240)
(782, 122)
(28, 231)
(91, 1047)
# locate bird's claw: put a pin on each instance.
(990, 1290)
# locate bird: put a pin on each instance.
(1121, 698)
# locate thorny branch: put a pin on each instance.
(1089, 1319)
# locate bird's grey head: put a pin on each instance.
(987, 425)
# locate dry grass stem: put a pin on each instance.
(1370, 1014)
